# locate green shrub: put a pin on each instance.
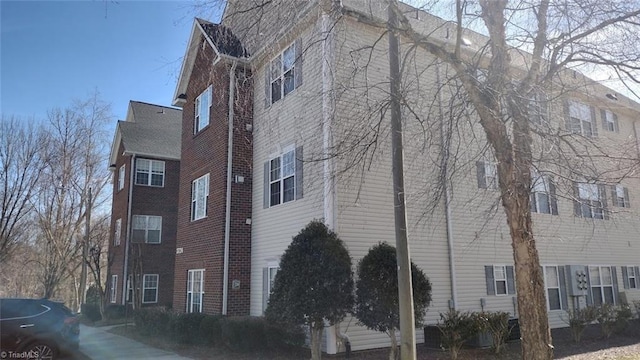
(607, 319)
(623, 315)
(495, 323)
(211, 330)
(456, 328)
(91, 312)
(115, 311)
(185, 328)
(154, 320)
(246, 334)
(579, 319)
(636, 304)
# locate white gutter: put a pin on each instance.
(447, 196)
(126, 249)
(227, 219)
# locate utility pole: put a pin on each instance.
(85, 250)
(405, 290)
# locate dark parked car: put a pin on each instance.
(37, 329)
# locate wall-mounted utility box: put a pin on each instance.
(578, 276)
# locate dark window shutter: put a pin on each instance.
(298, 63)
(553, 198)
(511, 284)
(625, 278)
(265, 288)
(491, 285)
(603, 116)
(267, 85)
(265, 187)
(299, 173)
(627, 203)
(615, 122)
(577, 206)
(563, 288)
(602, 194)
(567, 117)
(614, 196)
(589, 295)
(482, 179)
(614, 276)
(532, 202)
(637, 277)
(594, 122)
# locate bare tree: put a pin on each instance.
(21, 163)
(99, 259)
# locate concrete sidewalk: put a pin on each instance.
(99, 344)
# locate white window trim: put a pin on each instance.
(635, 276)
(150, 172)
(144, 288)
(609, 120)
(582, 121)
(146, 227)
(198, 124)
(536, 177)
(114, 286)
(117, 233)
(190, 291)
(547, 287)
(281, 77)
(602, 285)
(286, 150)
(595, 211)
(121, 172)
(195, 201)
(270, 269)
(496, 280)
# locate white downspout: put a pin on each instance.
(447, 196)
(227, 218)
(127, 242)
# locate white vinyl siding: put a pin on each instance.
(149, 172)
(195, 290)
(199, 197)
(147, 229)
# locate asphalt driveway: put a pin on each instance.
(97, 343)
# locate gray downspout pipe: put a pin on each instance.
(127, 240)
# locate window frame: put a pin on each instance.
(149, 172)
(198, 124)
(117, 234)
(146, 228)
(601, 286)
(282, 72)
(121, 176)
(496, 280)
(580, 107)
(616, 199)
(281, 180)
(196, 199)
(609, 120)
(113, 291)
(635, 277)
(145, 288)
(589, 207)
(547, 287)
(190, 281)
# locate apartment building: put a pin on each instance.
(145, 161)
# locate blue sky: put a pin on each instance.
(52, 52)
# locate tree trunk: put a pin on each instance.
(316, 340)
(393, 352)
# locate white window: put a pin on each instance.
(149, 172)
(202, 106)
(543, 200)
(199, 197)
(195, 290)
(500, 278)
(581, 120)
(631, 277)
(609, 121)
(620, 196)
(114, 287)
(121, 178)
(147, 229)
(150, 288)
(591, 202)
(129, 288)
(117, 232)
(282, 178)
(283, 74)
(538, 110)
(271, 273)
(552, 283)
(487, 173)
(601, 278)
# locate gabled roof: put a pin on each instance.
(221, 39)
(150, 130)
